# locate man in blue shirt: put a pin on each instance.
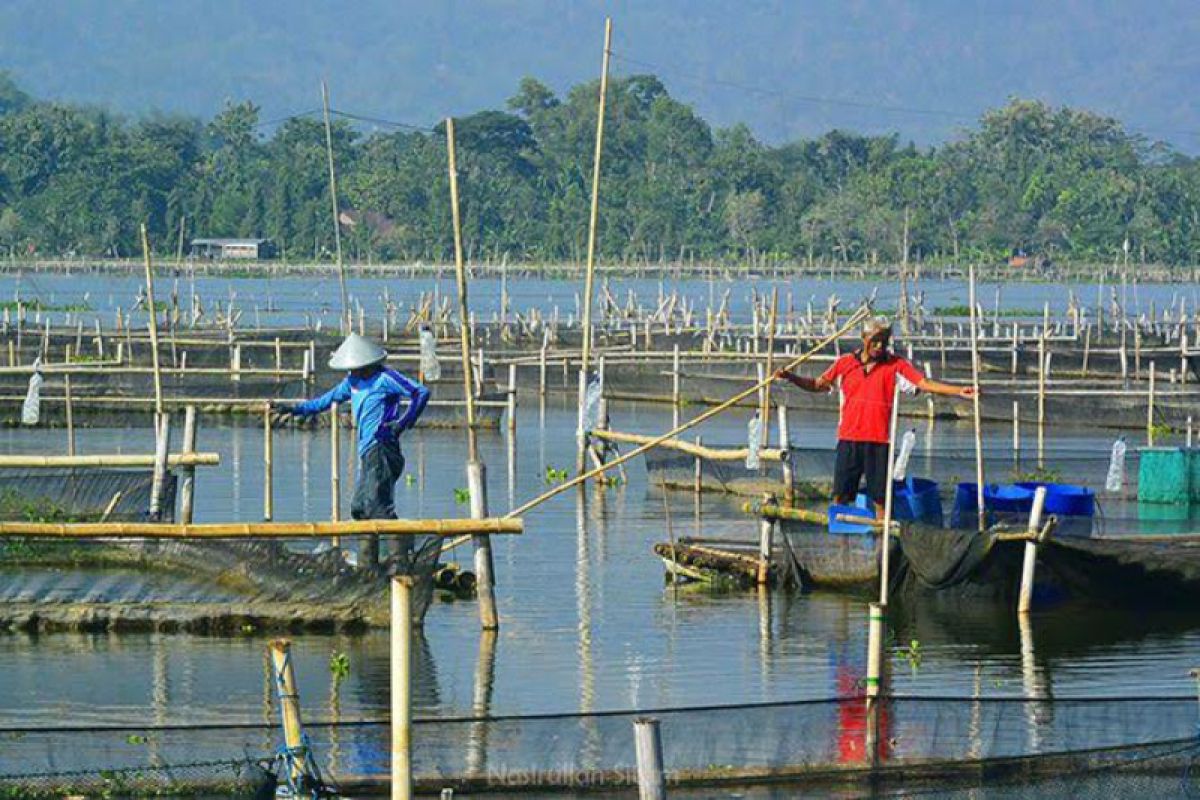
(375, 393)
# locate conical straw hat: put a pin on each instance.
(356, 352)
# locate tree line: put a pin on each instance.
(1060, 183)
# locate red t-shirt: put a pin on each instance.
(867, 395)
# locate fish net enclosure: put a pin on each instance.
(678, 470)
(208, 587)
(843, 747)
(81, 494)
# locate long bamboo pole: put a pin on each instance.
(975, 411)
(889, 501)
(266, 530)
(460, 273)
(489, 618)
(337, 223)
(594, 212)
(854, 319)
(158, 390)
(765, 415)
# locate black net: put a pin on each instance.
(81, 494)
(207, 586)
(907, 746)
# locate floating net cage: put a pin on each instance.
(845, 747)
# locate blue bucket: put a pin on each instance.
(917, 499)
(1000, 498)
(1066, 500)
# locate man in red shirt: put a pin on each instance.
(867, 379)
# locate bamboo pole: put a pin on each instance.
(345, 323)
(594, 211)
(187, 486)
(184, 459)
(262, 530)
(489, 618)
(158, 390)
(1029, 563)
(162, 448)
(289, 707)
(1150, 408)
(401, 686)
(975, 403)
(765, 415)
(683, 446)
(647, 737)
(461, 278)
(268, 466)
(1041, 396)
(335, 469)
(889, 500)
(70, 414)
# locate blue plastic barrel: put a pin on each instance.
(917, 499)
(1066, 500)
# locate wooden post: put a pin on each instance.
(1150, 408)
(344, 325)
(765, 416)
(975, 407)
(158, 390)
(1087, 347)
(888, 499)
(335, 467)
(1041, 414)
(268, 466)
(162, 448)
(1016, 431)
(235, 364)
(289, 706)
(187, 483)
(401, 686)
(476, 473)
(278, 357)
(874, 649)
(512, 398)
(1025, 600)
(542, 367)
(766, 536)
(652, 783)
(593, 222)
(698, 470)
(70, 414)
(676, 401)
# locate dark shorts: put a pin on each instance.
(856, 461)
(375, 484)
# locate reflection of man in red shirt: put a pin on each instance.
(867, 379)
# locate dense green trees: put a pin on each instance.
(1060, 182)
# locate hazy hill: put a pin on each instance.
(418, 61)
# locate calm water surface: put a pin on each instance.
(587, 622)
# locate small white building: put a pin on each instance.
(221, 249)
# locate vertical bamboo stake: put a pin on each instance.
(1150, 408)
(874, 649)
(158, 390)
(289, 706)
(187, 484)
(337, 224)
(512, 398)
(593, 221)
(765, 416)
(1028, 565)
(335, 469)
(652, 783)
(676, 401)
(401, 683)
(1041, 415)
(70, 414)
(975, 405)
(162, 447)
(888, 500)
(268, 466)
(489, 618)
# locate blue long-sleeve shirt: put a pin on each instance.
(375, 404)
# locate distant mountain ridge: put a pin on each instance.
(922, 69)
